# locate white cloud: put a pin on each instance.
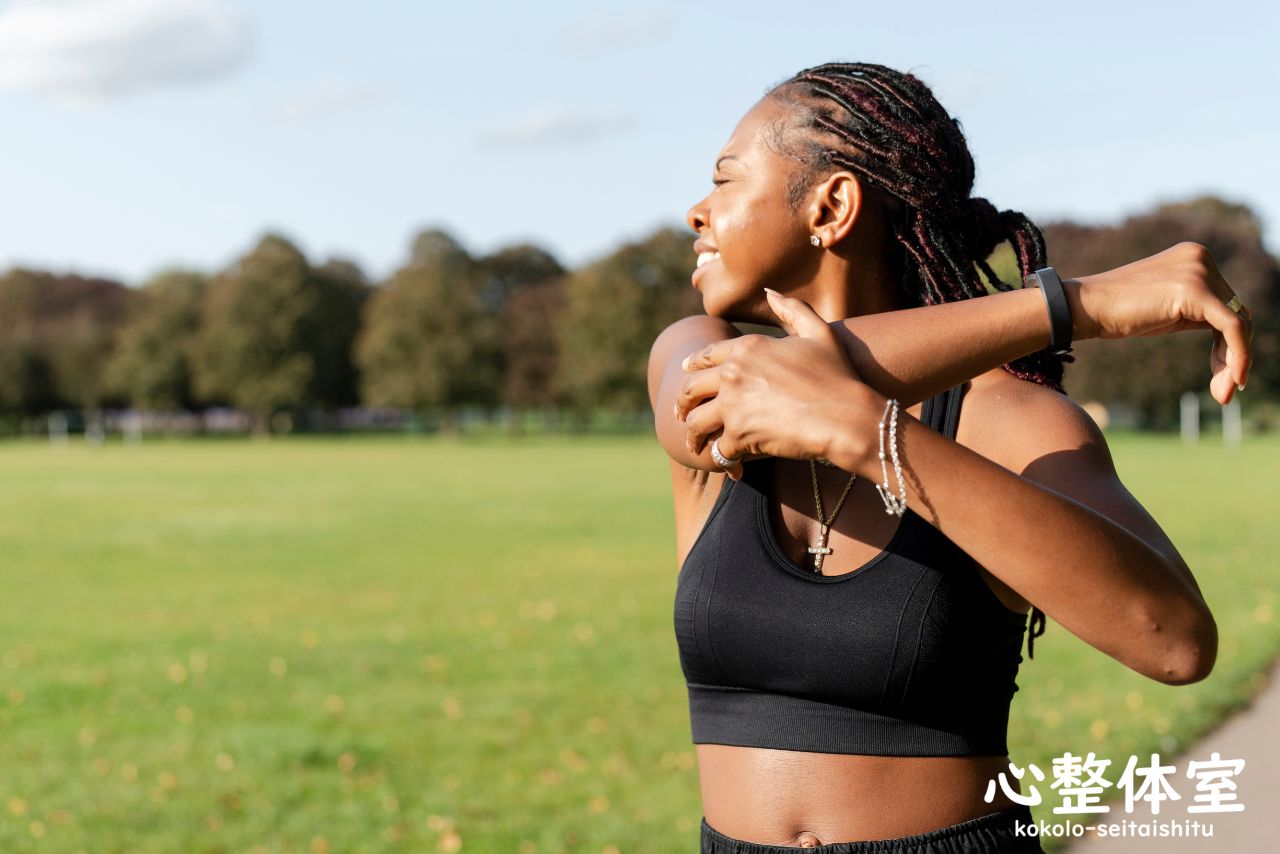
(327, 98)
(95, 49)
(606, 33)
(557, 126)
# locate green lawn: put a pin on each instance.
(436, 645)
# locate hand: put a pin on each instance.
(1179, 288)
(774, 397)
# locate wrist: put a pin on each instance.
(1079, 293)
(853, 444)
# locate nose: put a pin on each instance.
(697, 216)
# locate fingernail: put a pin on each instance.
(1240, 388)
(685, 363)
(771, 291)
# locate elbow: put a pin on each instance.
(1192, 657)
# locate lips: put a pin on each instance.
(706, 254)
(705, 259)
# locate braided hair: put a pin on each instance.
(886, 127)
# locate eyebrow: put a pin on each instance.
(722, 159)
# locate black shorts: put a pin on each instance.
(988, 834)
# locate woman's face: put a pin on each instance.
(748, 235)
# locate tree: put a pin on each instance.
(331, 332)
(55, 334)
(523, 285)
(531, 347)
(26, 388)
(273, 331)
(614, 309)
(426, 333)
(1151, 373)
(151, 365)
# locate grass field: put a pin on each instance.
(420, 644)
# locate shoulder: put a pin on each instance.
(677, 340)
(1015, 422)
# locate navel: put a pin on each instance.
(805, 839)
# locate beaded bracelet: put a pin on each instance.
(893, 505)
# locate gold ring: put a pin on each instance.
(1234, 304)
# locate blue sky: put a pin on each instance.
(142, 134)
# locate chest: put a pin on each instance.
(916, 613)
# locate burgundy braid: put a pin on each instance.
(887, 127)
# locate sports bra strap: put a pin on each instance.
(942, 411)
(955, 396)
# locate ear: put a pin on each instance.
(834, 207)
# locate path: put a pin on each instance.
(1252, 735)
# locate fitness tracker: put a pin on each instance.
(1046, 278)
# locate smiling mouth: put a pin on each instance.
(704, 258)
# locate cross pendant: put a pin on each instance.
(820, 550)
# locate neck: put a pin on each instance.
(840, 289)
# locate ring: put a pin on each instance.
(720, 458)
(1234, 304)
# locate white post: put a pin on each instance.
(1190, 417)
(57, 428)
(93, 432)
(133, 428)
(1231, 427)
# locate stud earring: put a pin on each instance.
(815, 240)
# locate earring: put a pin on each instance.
(815, 240)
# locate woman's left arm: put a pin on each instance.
(1051, 520)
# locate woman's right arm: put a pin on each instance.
(914, 354)
(666, 381)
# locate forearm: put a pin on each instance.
(1099, 580)
(916, 353)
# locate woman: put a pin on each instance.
(850, 682)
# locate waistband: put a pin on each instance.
(993, 833)
(747, 718)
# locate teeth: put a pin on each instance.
(707, 257)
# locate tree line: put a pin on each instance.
(513, 330)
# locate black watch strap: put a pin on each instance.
(1046, 278)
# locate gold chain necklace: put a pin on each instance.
(821, 550)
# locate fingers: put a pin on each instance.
(1220, 381)
(1236, 329)
(701, 425)
(796, 315)
(710, 355)
(778, 304)
(698, 386)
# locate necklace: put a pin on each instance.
(821, 550)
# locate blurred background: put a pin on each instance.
(330, 511)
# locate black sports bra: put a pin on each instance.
(912, 654)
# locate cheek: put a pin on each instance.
(752, 233)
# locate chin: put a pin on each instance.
(715, 304)
(728, 298)
(736, 311)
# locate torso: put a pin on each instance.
(787, 797)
